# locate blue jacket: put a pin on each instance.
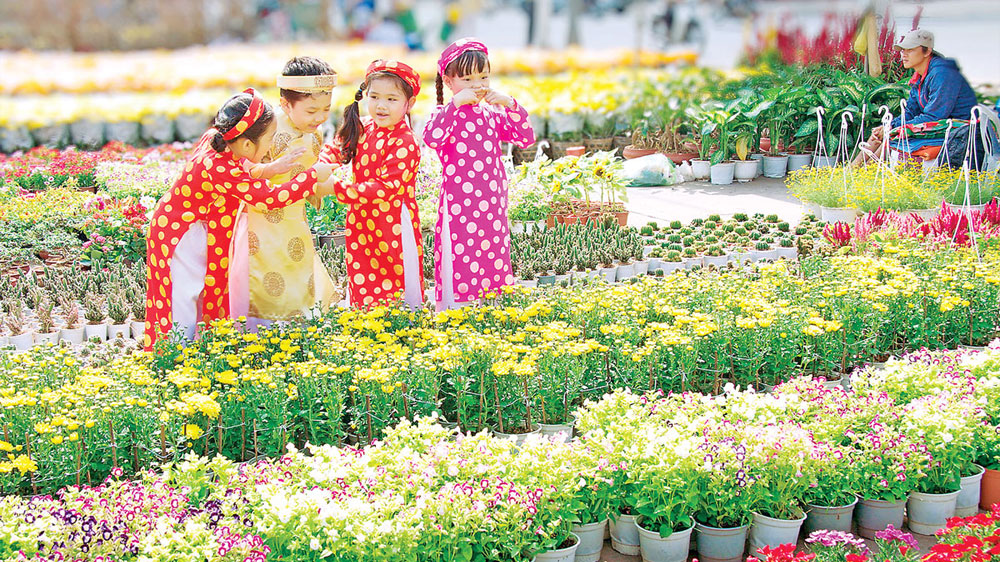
(942, 94)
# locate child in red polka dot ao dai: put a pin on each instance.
(472, 234)
(384, 254)
(188, 246)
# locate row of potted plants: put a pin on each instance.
(716, 242)
(785, 118)
(653, 468)
(564, 253)
(150, 118)
(70, 305)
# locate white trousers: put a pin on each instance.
(188, 268)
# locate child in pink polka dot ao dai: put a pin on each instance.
(472, 234)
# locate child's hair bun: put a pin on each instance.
(218, 143)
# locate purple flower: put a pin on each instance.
(834, 538)
(891, 534)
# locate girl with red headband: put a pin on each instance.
(472, 242)
(188, 245)
(384, 253)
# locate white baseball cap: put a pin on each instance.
(915, 38)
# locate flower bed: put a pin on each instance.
(960, 227)
(524, 359)
(423, 493)
(64, 226)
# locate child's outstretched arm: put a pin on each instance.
(330, 154)
(277, 167)
(262, 196)
(395, 173)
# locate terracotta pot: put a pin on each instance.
(630, 152)
(576, 151)
(622, 217)
(765, 144)
(550, 221)
(680, 157)
(571, 219)
(990, 491)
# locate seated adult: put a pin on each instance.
(938, 92)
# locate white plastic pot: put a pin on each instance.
(799, 161)
(775, 166)
(745, 170)
(701, 169)
(722, 173)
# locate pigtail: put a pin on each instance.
(439, 86)
(350, 129)
(218, 142)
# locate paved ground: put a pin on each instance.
(699, 199)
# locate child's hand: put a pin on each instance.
(326, 187)
(467, 96)
(284, 164)
(323, 171)
(494, 97)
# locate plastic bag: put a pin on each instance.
(654, 169)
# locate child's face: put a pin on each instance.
(308, 113)
(478, 81)
(387, 103)
(255, 151)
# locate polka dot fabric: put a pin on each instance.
(210, 189)
(474, 194)
(385, 175)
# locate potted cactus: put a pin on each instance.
(47, 332)
(72, 331)
(526, 274)
(118, 313)
(715, 256)
(18, 336)
(93, 312)
(786, 248)
(137, 302)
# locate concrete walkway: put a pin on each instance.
(698, 199)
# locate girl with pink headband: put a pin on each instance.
(472, 242)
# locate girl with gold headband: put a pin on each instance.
(279, 275)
